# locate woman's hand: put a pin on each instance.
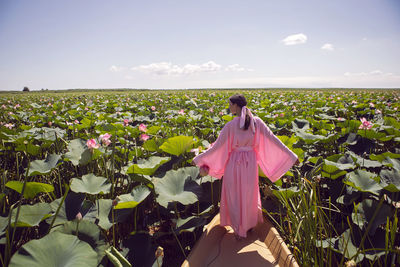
(204, 170)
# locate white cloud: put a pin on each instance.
(236, 68)
(114, 68)
(295, 39)
(328, 47)
(167, 68)
(371, 73)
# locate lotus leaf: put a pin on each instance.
(308, 137)
(363, 181)
(38, 167)
(390, 180)
(129, 201)
(78, 152)
(177, 145)
(31, 215)
(88, 232)
(300, 124)
(31, 188)
(55, 249)
(347, 247)
(90, 184)
(364, 211)
(148, 166)
(177, 186)
(284, 194)
(190, 224)
(150, 145)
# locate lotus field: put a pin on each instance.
(104, 178)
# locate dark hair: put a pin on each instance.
(241, 101)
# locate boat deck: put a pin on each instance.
(219, 247)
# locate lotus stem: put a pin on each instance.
(19, 206)
(59, 207)
(179, 243)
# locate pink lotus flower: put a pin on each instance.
(10, 113)
(153, 108)
(372, 105)
(142, 127)
(105, 139)
(126, 122)
(378, 111)
(17, 106)
(50, 123)
(182, 112)
(282, 114)
(3, 106)
(365, 124)
(354, 102)
(341, 119)
(54, 112)
(76, 121)
(144, 137)
(92, 144)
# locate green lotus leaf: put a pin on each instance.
(364, 211)
(38, 167)
(90, 184)
(148, 166)
(177, 186)
(390, 180)
(308, 137)
(70, 207)
(31, 148)
(177, 145)
(365, 162)
(300, 124)
(78, 152)
(227, 118)
(129, 201)
(150, 145)
(285, 194)
(55, 249)
(48, 134)
(101, 214)
(189, 224)
(31, 215)
(31, 188)
(153, 130)
(88, 232)
(363, 181)
(347, 247)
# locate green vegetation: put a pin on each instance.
(109, 172)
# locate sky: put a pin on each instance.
(55, 44)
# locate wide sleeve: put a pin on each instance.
(274, 158)
(217, 155)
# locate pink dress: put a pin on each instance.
(235, 156)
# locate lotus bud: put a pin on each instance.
(78, 216)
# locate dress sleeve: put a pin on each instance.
(217, 155)
(274, 158)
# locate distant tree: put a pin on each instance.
(26, 89)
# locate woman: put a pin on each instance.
(242, 144)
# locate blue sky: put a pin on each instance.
(199, 44)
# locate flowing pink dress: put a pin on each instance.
(235, 156)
